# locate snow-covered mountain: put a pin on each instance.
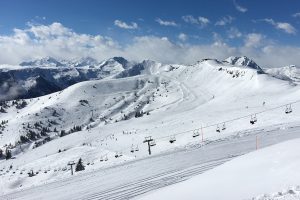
(44, 62)
(289, 73)
(102, 112)
(47, 75)
(243, 61)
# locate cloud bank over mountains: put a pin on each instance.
(56, 40)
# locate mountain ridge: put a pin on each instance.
(60, 74)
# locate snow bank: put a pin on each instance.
(267, 170)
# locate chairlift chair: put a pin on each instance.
(132, 149)
(101, 159)
(251, 120)
(254, 118)
(288, 109)
(223, 127)
(195, 133)
(218, 129)
(106, 158)
(172, 139)
(136, 148)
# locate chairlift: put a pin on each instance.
(223, 127)
(254, 118)
(218, 129)
(172, 139)
(251, 120)
(288, 109)
(106, 158)
(195, 133)
(101, 159)
(132, 149)
(136, 148)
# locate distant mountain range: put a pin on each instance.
(47, 75)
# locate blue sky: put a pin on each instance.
(234, 23)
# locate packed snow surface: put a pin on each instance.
(264, 171)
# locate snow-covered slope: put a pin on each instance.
(103, 118)
(265, 171)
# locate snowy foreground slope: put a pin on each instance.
(128, 180)
(266, 171)
(98, 120)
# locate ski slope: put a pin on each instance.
(265, 171)
(135, 178)
(176, 100)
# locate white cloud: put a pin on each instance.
(124, 25)
(166, 23)
(288, 28)
(58, 41)
(284, 26)
(224, 21)
(253, 40)
(239, 7)
(234, 33)
(190, 19)
(296, 14)
(53, 40)
(202, 21)
(183, 37)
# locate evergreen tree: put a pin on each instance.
(62, 133)
(2, 110)
(8, 154)
(1, 154)
(79, 166)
